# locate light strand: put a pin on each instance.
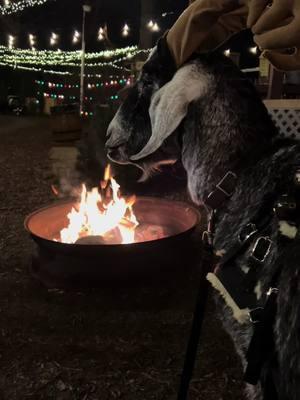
(112, 82)
(75, 54)
(11, 59)
(17, 6)
(33, 69)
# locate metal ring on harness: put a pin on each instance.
(261, 249)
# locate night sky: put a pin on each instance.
(64, 16)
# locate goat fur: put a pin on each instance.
(211, 118)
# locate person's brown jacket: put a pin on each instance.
(206, 24)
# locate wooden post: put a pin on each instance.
(275, 90)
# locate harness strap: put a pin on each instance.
(251, 231)
(258, 256)
(223, 190)
(262, 344)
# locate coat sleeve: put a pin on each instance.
(205, 25)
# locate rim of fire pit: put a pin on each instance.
(178, 203)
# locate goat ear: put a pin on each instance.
(169, 105)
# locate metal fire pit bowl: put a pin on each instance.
(62, 265)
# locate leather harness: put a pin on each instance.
(261, 355)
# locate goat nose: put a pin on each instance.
(115, 153)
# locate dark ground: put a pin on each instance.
(96, 345)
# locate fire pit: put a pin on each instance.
(79, 246)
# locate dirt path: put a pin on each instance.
(94, 345)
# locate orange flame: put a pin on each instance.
(99, 213)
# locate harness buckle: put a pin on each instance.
(272, 291)
(247, 232)
(261, 249)
(227, 183)
(254, 315)
(286, 207)
(207, 238)
(223, 190)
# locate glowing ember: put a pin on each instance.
(102, 213)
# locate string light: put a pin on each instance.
(165, 14)
(71, 55)
(9, 59)
(65, 59)
(76, 36)
(33, 60)
(16, 6)
(32, 40)
(101, 34)
(33, 69)
(253, 50)
(64, 97)
(125, 30)
(155, 27)
(227, 52)
(53, 39)
(11, 41)
(115, 80)
(150, 24)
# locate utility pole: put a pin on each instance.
(86, 9)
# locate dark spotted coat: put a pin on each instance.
(211, 117)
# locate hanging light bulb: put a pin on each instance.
(125, 31)
(150, 24)
(76, 36)
(253, 50)
(101, 34)
(53, 39)
(11, 41)
(227, 53)
(32, 40)
(155, 27)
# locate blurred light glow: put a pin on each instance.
(253, 50)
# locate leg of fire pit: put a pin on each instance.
(199, 314)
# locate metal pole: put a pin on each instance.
(199, 315)
(82, 62)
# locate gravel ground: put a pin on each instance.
(94, 345)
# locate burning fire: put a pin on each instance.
(102, 212)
